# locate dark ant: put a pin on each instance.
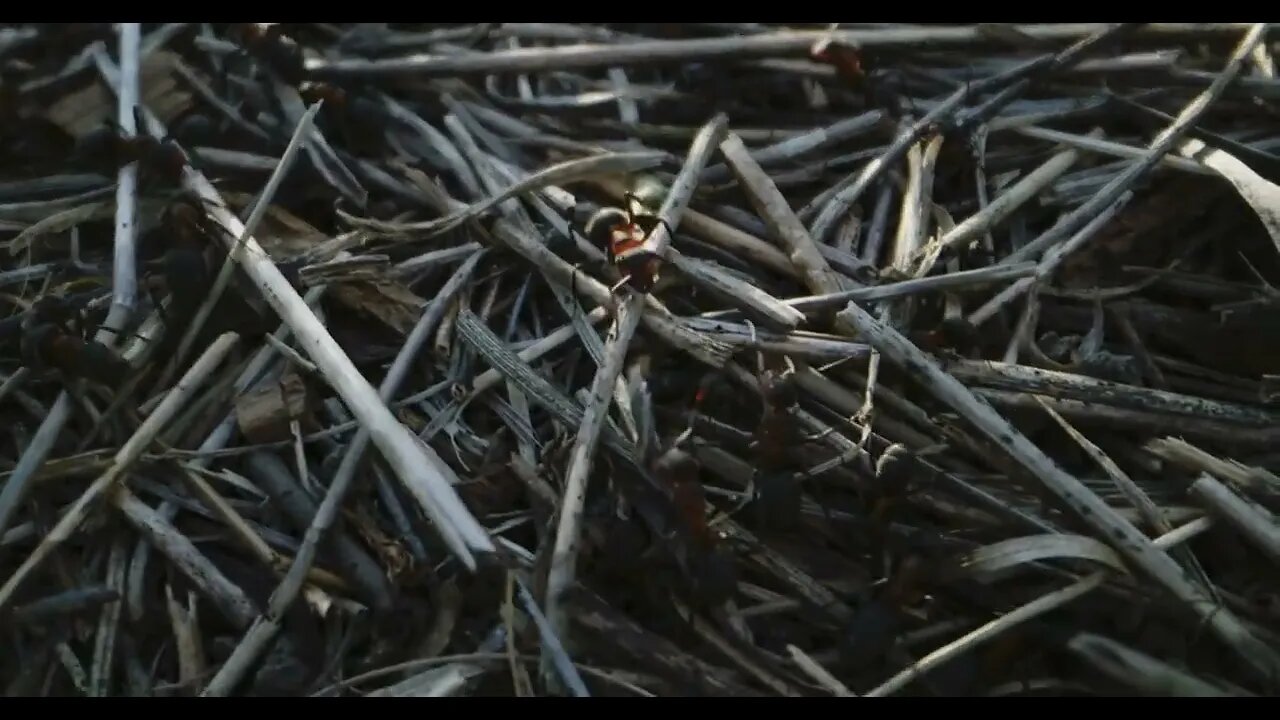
(876, 625)
(314, 92)
(674, 472)
(187, 230)
(52, 337)
(355, 117)
(108, 149)
(849, 62)
(624, 234)
(777, 493)
(267, 44)
(710, 569)
(191, 260)
(857, 68)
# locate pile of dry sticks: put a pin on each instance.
(650, 359)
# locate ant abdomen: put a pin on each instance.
(194, 130)
(101, 149)
(99, 363)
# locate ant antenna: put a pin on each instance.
(631, 200)
(755, 341)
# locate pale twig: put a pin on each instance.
(998, 210)
(965, 279)
(123, 461)
(1189, 457)
(781, 219)
(1069, 490)
(1098, 146)
(1151, 514)
(265, 627)
(1151, 677)
(124, 285)
(228, 264)
(1149, 511)
(1060, 384)
(744, 295)
(104, 646)
(1050, 262)
(1159, 147)
(183, 555)
(124, 279)
(558, 174)
(428, 483)
(818, 673)
(826, 211)
(916, 198)
(1252, 521)
(1261, 194)
(1021, 614)
(788, 42)
(568, 531)
(803, 143)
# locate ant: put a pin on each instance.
(267, 44)
(624, 234)
(108, 149)
(777, 493)
(52, 337)
(697, 546)
(355, 117)
(187, 230)
(191, 260)
(693, 542)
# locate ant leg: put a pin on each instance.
(140, 126)
(630, 200)
(618, 285)
(573, 280)
(751, 327)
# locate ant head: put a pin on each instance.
(246, 32)
(602, 223)
(332, 95)
(97, 144)
(645, 195)
(717, 580)
(53, 308)
(37, 342)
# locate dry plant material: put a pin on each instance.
(734, 359)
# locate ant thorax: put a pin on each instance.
(626, 240)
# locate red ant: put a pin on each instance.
(624, 234)
(268, 45)
(108, 149)
(697, 545)
(775, 497)
(52, 337)
(847, 60)
(694, 543)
